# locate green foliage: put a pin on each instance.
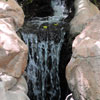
(95, 1)
(25, 2)
(29, 1)
(55, 24)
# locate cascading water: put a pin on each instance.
(44, 37)
(59, 8)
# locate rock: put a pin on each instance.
(8, 81)
(16, 95)
(13, 51)
(12, 13)
(83, 70)
(84, 10)
(21, 85)
(18, 92)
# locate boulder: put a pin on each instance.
(8, 81)
(84, 11)
(13, 51)
(11, 13)
(21, 85)
(18, 92)
(83, 70)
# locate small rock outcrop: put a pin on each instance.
(13, 52)
(83, 70)
(17, 92)
(84, 11)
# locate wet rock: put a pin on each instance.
(83, 70)
(84, 10)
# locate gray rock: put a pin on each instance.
(18, 92)
(8, 81)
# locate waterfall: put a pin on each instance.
(44, 37)
(59, 8)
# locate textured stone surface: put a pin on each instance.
(21, 85)
(12, 13)
(18, 92)
(83, 70)
(13, 51)
(84, 10)
(8, 81)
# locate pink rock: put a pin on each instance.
(83, 70)
(84, 10)
(11, 13)
(13, 51)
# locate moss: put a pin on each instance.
(55, 24)
(45, 27)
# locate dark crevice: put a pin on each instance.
(66, 52)
(37, 8)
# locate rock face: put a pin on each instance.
(17, 92)
(11, 13)
(84, 10)
(13, 52)
(83, 70)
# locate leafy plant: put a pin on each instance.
(24, 2)
(95, 1)
(30, 1)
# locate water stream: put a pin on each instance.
(44, 37)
